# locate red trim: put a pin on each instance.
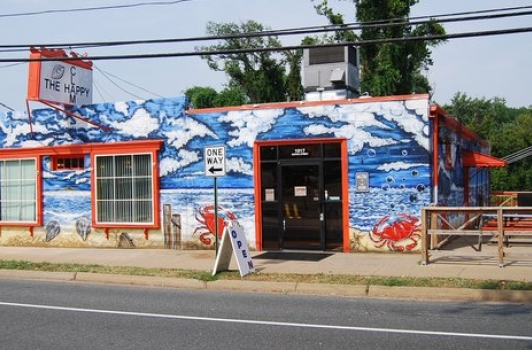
(465, 178)
(34, 78)
(454, 124)
(479, 160)
(130, 147)
(38, 200)
(36, 57)
(61, 55)
(79, 158)
(435, 152)
(309, 103)
(257, 184)
(258, 196)
(100, 148)
(345, 196)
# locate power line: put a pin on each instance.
(7, 107)
(107, 75)
(277, 49)
(444, 18)
(11, 65)
(86, 9)
(411, 21)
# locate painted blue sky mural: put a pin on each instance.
(389, 139)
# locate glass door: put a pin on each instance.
(301, 206)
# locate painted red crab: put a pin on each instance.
(205, 216)
(395, 232)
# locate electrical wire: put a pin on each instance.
(99, 89)
(519, 155)
(276, 49)
(412, 21)
(107, 75)
(11, 65)
(7, 107)
(291, 31)
(85, 9)
(121, 88)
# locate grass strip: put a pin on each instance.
(402, 281)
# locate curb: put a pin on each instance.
(147, 281)
(355, 291)
(451, 294)
(293, 288)
(37, 275)
(253, 286)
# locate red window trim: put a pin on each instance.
(55, 160)
(127, 147)
(156, 197)
(132, 147)
(39, 217)
(257, 183)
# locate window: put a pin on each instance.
(124, 189)
(68, 162)
(18, 190)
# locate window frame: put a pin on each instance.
(129, 148)
(91, 149)
(55, 160)
(9, 155)
(127, 178)
(37, 194)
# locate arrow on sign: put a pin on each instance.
(213, 170)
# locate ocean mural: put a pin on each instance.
(387, 139)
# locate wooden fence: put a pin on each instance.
(440, 224)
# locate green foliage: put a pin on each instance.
(261, 75)
(393, 68)
(231, 96)
(508, 131)
(202, 97)
(207, 97)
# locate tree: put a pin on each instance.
(262, 76)
(508, 131)
(201, 97)
(207, 97)
(483, 116)
(231, 96)
(393, 68)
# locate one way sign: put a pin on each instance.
(214, 161)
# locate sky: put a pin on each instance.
(481, 67)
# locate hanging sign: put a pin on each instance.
(56, 77)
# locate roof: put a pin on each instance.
(479, 160)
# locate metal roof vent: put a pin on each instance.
(331, 73)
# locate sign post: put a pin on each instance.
(215, 166)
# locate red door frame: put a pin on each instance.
(258, 192)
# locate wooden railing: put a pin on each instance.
(505, 198)
(438, 224)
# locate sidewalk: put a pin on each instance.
(456, 264)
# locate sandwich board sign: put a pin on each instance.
(234, 242)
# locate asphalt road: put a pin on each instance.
(53, 315)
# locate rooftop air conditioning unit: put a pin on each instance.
(331, 73)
